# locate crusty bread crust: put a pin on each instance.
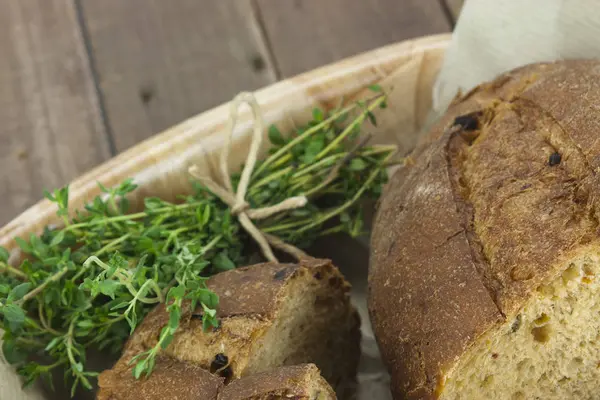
(170, 379)
(173, 379)
(481, 218)
(301, 382)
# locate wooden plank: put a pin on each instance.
(50, 124)
(305, 34)
(160, 62)
(454, 7)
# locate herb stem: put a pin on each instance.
(346, 205)
(306, 134)
(57, 276)
(113, 203)
(44, 322)
(356, 122)
(283, 227)
(133, 216)
(76, 367)
(173, 235)
(14, 271)
(69, 338)
(157, 290)
(271, 177)
(52, 366)
(211, 244)
(335, 229)
(40, 330)
(321, 163)
(110, 246)
(139, 295)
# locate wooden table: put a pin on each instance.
(81, 80)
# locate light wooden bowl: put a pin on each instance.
(405, 70)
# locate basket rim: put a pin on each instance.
(130, 159)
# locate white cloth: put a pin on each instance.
(494, 36)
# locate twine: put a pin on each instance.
(236, 201)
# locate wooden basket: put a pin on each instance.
(405, 70)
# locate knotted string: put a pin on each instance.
(237, 201)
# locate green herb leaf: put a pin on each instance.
(222, 262)
(78, 367)
(53, 343)
(4, 254)
(318, 114)
(139, 369)
(209, 318)
(23, 245)
(56, 240)
(176, 292)
(275, 136)
(357, 164)
(174, 317)
(167, 341)
(12, 353)
(376, 88)
(127, 186)
(14, 315)
(19, 291)
(49, 196)
(85, 324)
(314, 147)
(372, 118)
(109, 288)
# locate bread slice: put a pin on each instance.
(182, 380)
(300, 382)
(271, 315)
(171, 379)
(485, 264)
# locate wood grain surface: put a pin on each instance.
(81, 80)
(304, 34)
(50, 125)
(159, 62)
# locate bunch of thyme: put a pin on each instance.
(90, 282)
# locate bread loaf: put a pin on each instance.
(485, 261)
(271, 315)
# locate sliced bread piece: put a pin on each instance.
(182, 380)
(298, 382)
(271, 315)
(171, 379)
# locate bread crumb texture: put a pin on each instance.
(485, 251)
(550, 350)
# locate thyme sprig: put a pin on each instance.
(90, 282)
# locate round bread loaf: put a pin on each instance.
(485, 265)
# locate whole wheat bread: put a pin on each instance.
(485, 263)
(271, 315)
(181, 380)
(301, 382)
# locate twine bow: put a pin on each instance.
(236, 201)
